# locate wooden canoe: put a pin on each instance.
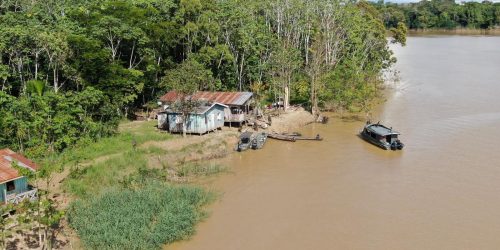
(293, 137)
(281, 137)
(309, 138)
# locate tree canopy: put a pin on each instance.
(71, 69)
(443, 14)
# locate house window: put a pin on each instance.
(10, 186)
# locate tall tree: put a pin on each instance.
(185, 80)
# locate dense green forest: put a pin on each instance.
(442, 14)
(71, 69)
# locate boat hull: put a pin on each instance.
(243, 147)
(259, 141)
(245, 141)
(373, 141)
(282, 137)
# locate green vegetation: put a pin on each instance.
(132, 165)
(196, 169)
(88, 181)
(440, 14)
(42, 124)
(123, 200)
(70, 70)
(139, 219)
(37, 217)
(121, 142)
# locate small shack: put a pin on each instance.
(14, 187)
(207, 117)
(239, 104)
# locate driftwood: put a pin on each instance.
(259, 123)
(322, 119)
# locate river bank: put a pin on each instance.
(105, 164)
(290, 120)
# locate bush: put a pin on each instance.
(139, 219)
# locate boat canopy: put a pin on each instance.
(381, 130)
(246, 134)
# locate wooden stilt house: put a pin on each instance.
(239, 104)
(13, 185)
(206, 118)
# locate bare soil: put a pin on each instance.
(290, 120)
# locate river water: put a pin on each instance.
(441, 192)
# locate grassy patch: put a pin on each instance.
(145, 218)
(195, 169)
(123, 203)
(90, 180)
(132, 133)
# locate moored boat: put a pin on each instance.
(245, 141)
(294, 137)
(381, 136)
(316, 138)
(259, 140)
(282, 137)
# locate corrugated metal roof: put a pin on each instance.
(202, 109)
(170, 96)
(7, 172)
(227, 98)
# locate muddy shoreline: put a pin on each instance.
(290, 120)
(214, 147)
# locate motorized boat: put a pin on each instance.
(259, 140)
(381, 136)
(245, 141)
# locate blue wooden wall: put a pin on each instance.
(211, 120)
(21, 185)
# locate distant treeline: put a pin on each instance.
(70, 70)
(440, 14)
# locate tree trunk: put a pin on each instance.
(39, 229)
(36, 66)
(4, 244)
(314, 101)
(240, 75)
(286, 98)
(21, 78)
(56, 81)
(184, 125)
(131, 57)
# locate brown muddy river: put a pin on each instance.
(441, 192)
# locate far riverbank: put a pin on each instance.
(465, 32)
